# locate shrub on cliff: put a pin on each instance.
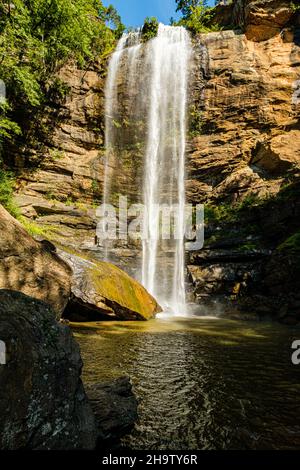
(150, 28)
(197, 16)
(6, 192)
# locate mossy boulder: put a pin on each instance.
(102, 291)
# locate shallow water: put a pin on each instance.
(202, 383)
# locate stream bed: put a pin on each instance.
(202, 383)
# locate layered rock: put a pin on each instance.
(32, 267)
(262, 19)
(61, 180)
(251, 258)
(249, 118)
(258, 19)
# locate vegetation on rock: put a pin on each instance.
(37, 37)
(150, 28)
(6, 192)
(197, 16)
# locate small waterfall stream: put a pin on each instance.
(156, 80)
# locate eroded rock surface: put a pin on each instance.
(43, 404)
(31, 267)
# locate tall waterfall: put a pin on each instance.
(155, 75)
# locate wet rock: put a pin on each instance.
(115, 409)
(101, 290)
(31, 267)
(214, 256)
(43, 404)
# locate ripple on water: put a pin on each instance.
(202, 383)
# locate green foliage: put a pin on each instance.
(8, 128)
(36, 38)
(185, 6)
(222, 212)
(295, 8)
(291, 244)
(113, 18)
(249, 246)
(56, 154)
(150, 29)
(34, 229)
(7, 183)
(196, 122)
(197, 16)
(227, 212)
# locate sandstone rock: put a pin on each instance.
(115, 409)
(248, 101)
(282, 153)
(43, 403)
(28, 267)
(100, 290)
(262, 19)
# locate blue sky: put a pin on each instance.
(133, 12)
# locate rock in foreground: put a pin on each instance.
(29, 267)
(43, 404)
(102, 291)
(115, 408)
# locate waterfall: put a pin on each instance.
(130, 40)
(155, 75)
(164, 181)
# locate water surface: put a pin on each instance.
(202, 383)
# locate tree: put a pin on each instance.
(197, 16)
(36, 38)
(185, 6)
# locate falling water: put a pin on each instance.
(156, 78)
(165, 160)
(129, 42)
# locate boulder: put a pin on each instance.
(101, 290)
(262, 19)
(30, 267)
(281, 154)
(115, 408)
(43, 404)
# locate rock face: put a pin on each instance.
(65, 177)
(43, 403)
(263, 19)
(246, 90)
(249, 117)
(100, 290)
(258, 19)
(115, 409)
(30, 267)
(244, 142)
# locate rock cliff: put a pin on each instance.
(244, 146)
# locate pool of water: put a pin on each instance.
(202, 383)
